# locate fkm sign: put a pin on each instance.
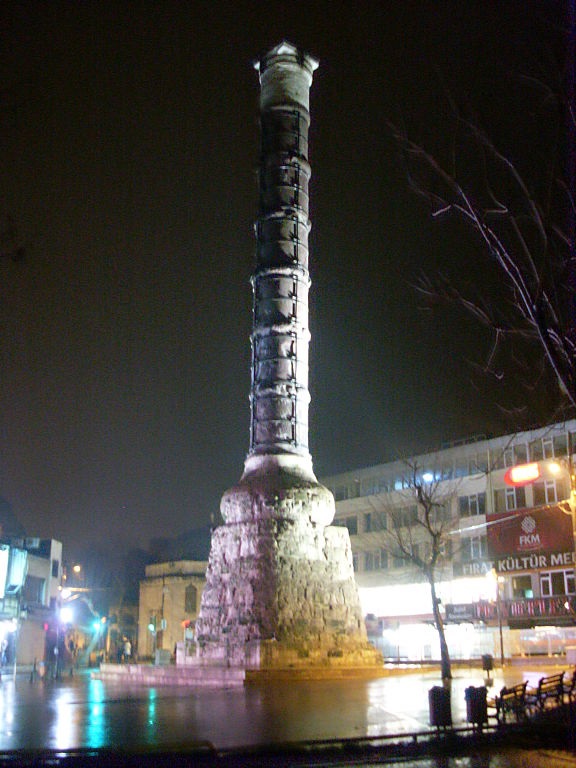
(526, 539)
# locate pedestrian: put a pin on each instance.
(127, 650)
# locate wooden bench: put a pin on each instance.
(512, 699)
(570, 687)
(550, 689)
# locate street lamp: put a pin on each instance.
(497, 581)
(556, 467)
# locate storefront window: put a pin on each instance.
(557, 583)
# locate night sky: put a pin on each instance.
(129, 149)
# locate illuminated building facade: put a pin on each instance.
(507, 583)
(169, 602)
(30, 582)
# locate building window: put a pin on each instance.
(477, 548)
(447, 471)
(33, 591)
(190, 599)
(557, 583)
(549, 447)
(368, 561)
(549, 492)
(405, 518)
(515, 498)
(441, 513)
(479, 463)
(380, 523)
(368, 486)
(468, 506)
(511, 456)
(383, 560)
(55, 569)
(509, 460)
(352, 525)
(398, 561)
(385, 485)
(461, 468)
(341, 493)
(507, 499)
(367, 522)
(536, 450)
(355, 561)
(560, 446)
(522, 587)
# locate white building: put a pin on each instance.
(30, 582)
(507, 587)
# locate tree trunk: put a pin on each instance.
(445, 666)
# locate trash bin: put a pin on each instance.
(476, 706)
(487, 662)
(440, 707)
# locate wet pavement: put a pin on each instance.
(80, 712)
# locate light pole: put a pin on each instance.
(497, 581)
(556, 467)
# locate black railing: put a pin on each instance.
(558, 606)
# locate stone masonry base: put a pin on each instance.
(280, 590)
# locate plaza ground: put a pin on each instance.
(79, 713)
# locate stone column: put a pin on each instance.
(280, 589)
(278, 457)
(279, 396)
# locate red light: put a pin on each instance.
(522, 474)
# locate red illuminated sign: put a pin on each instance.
(522, 474)
(532, 538)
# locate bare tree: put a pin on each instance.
(523, 213)
(418, 530)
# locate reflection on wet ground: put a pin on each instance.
(81, 712)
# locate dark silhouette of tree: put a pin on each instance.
(520, 204)
(417, 525)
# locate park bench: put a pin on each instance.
(550, 688)
(511, 699)
(570, 687)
